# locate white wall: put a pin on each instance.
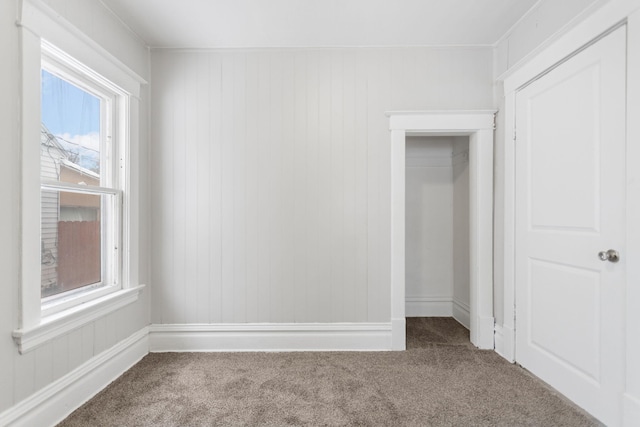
(542, 21)
(271, 176)
(437, 271)
(10, 194)
(429, 227)
(22, 375)
(461, 223)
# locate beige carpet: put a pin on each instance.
(441, 380)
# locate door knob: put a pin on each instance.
(610, 255)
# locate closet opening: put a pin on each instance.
(437, 256)
(476, 127)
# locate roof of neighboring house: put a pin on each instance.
(79, 168)
(50, 141)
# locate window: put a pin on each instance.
(80, 192)
(79, 196)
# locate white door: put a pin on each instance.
(570, 205)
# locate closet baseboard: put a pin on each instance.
(429, 307)
(461, 312)
(438, 307)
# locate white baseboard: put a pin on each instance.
(438, 307)
(56, 401)
(461, 313)
(428, 306)
(631, 410)
(504, 339)
(270, 337)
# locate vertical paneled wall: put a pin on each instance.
(270, 176)
(461, 224)
(429, 226)
(21, 375)
(437, 227)
(10, 194)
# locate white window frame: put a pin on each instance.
(45, 34)
(112, 155)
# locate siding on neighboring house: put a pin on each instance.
(68, 207)
(50, 156)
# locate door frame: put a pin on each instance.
(479, 126)
(560, 47)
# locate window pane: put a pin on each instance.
(70, 134)
(71, 241)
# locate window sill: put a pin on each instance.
(65, 321)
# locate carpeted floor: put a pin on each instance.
(441, 380)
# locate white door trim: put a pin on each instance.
(478, 125)
(631, 399)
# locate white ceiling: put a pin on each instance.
(318, 23)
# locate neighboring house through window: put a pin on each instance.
(80, 185)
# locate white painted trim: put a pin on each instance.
(545, 44)
(438, 112)
(481, 237)
(398, 159)
(504, 338)
(594, 19)
(630, 410)
(461, 312)
(46, 23)
(499, 340)
(479, 126)
(429, 306)
(75, 317)
(564, 43)
(509, 217)
(438, 307)
(458, 122)
(270, 337)
(484, 332)
(398, 333)
(30, 126)
(243, 49)
(51, 404)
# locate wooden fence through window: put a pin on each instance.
(78, 254)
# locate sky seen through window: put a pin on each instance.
(72, 115)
